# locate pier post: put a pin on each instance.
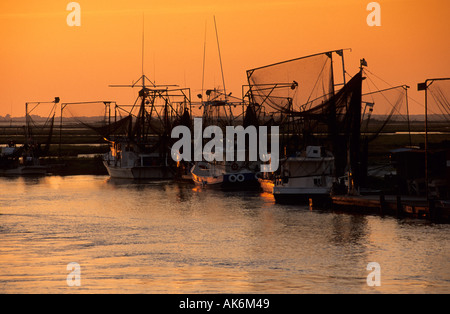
(382, 203)
(399, 205)
(432, 214)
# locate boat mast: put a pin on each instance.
(204, 59)
(332, 123)
(424, 86)
(355, 136)
(143, 36)
(144, 91)
(220, 59)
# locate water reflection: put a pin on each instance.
(349, 229)
(171, 237)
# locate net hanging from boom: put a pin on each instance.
(298, 84)
(438, 107)
(385, 111)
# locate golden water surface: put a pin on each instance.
(165, 237)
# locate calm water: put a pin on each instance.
(173, 238)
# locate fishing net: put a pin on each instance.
(335, 124)
(438, 127)
(154, 113)
(81, 121)
(438, 107)
(385, 111)
(40, 125)
(298, 84)
(95, 113)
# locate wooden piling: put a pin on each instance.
(382, 202)
(399, 207)
(432, 210)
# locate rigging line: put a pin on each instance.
(378, 77)
(383, 90)
(250, 72)
(395, 107)
(391, 113)
(420, 104)
(392, 87)
(384, 96)
(440, 100)
(318, 77)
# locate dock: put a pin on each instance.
(398, 205)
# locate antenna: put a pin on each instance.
(204, 58)
(220, 58)
(143, 31)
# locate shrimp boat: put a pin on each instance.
(132, 164)
(15, 161)
(25, 160)
(140, 142)
(318, 123)
(225, 174)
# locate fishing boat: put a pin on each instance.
(222, 110)
(226, 174)
(300, 106)
(131, 164)
(25, 160)
(14, 161)
(319, 118)
(140, 142)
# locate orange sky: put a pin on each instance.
(42, 57)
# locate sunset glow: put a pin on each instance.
(42, 57)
